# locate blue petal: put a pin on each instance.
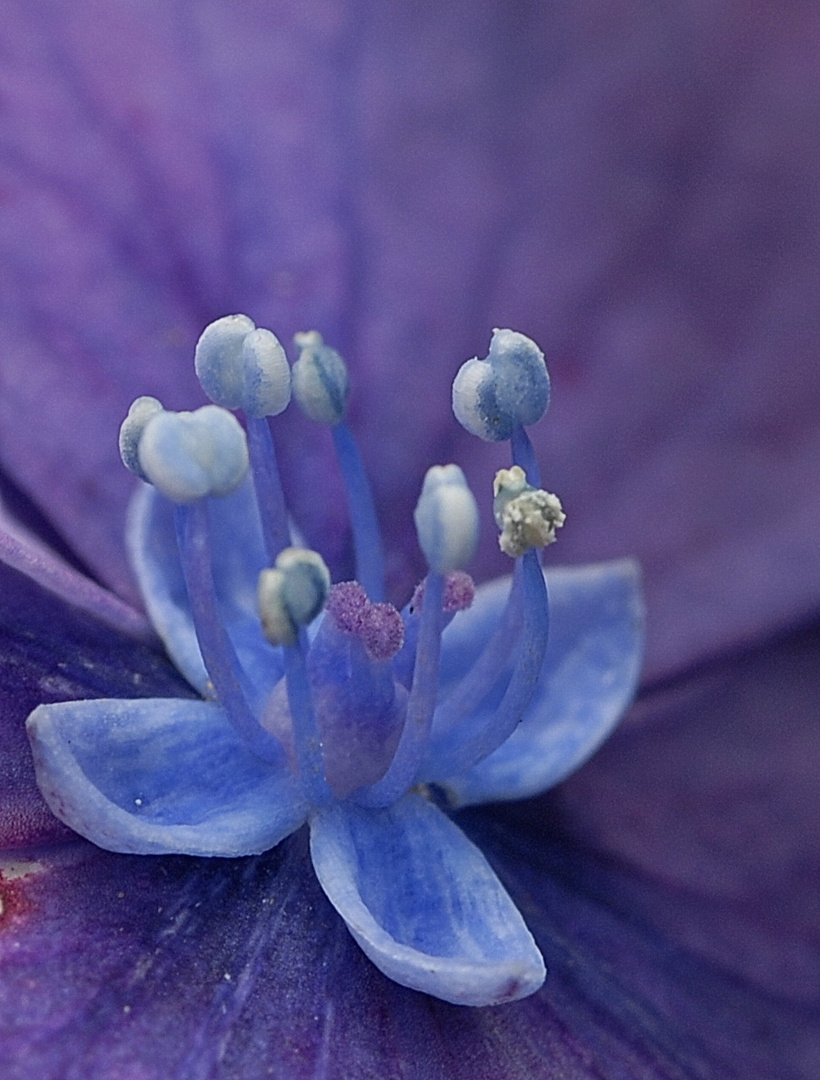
(589, 677)
(239, 556)
(160, 776)
(423, 903)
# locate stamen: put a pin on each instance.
(218, 654)
(510, 388)
(446, 519)
(305, 727)
(290, 596)
(531, 645)
(190, 455)
(527, 517)
(320, 386)
(242, 367)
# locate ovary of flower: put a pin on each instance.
(527, 516)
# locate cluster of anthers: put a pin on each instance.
(323, 703)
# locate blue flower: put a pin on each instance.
(639, 188)
(325, 704)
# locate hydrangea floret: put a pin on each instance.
(323, 704)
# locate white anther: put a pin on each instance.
(510, 388)
(320, 382)
(266, 375)
(131, 429)
(291, 594)
(527, 516)
(242, 367)
(189, 455)
(446, 518)
(217, 359)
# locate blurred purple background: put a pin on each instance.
(634, 184)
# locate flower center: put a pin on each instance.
(356, 709)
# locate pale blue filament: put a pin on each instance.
(421, 703)
(531, 648)
(471, 690)
(363, 521)
(218, 654)
(305, 726)
(268, 485)
(523, 455)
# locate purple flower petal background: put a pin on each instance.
(670, 885)
(637, 186)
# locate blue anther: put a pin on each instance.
(508, 389)
(242, 367)
(320, 382)
(446, 518)
(291, 594)
(190, 455)
(267, 383)
(131, 429)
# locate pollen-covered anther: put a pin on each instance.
(528, 517)
(291, 594)
(378, 626)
